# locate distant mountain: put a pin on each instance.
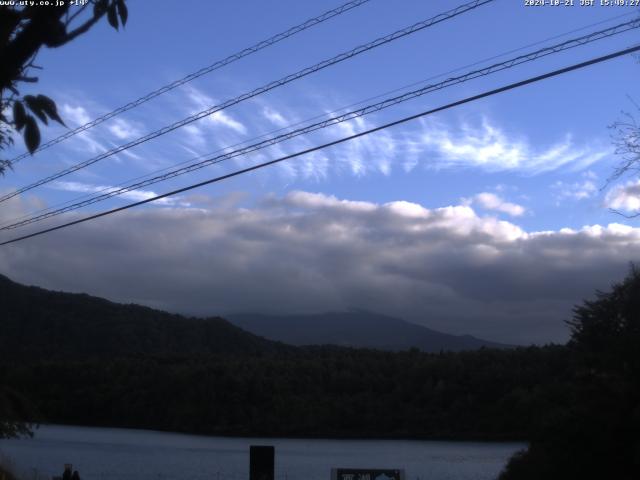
(83, 360)
(41, 324)
(356, 329)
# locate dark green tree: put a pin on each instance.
(24, 30)
(17, 414)
(598, 434)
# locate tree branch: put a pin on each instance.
(81, 29)
(78, 12)
(618, 212)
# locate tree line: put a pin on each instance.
(578, 405)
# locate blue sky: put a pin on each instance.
(524, 162)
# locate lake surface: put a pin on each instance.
(109, 454)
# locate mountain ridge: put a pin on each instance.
(40, 323)
(356, 328)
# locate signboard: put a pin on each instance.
(367, 474)
(261, 462)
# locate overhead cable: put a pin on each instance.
(448, 106)
(288, 127)
(389, 102)
(203, 71)
(265, 88)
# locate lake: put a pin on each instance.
(109, 454)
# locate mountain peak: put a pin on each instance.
(356, 328)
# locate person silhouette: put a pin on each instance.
(66, 475)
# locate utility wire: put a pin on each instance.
(203, 71)
(507, 64)
(265, 88)
(315, 117)
(448, 106)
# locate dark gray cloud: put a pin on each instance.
(447, 268)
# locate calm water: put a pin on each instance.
(106, 454)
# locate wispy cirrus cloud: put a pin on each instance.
(575, 191)
(274, 116)
(112, 133)
(490, 148)
(222, 118)
(372, 154)
(87, 141)
(200, 101)
(135, 195)
(75, 115)
(483, 145)
(123, 129)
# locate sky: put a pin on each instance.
(493, 218)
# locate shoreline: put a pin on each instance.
(444, 438)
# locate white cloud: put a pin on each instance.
(625, 198)
(195, 135)
(123, 129)
(201, 101)
(135, 195)
(575, 191)
(198, 98)
(490, 148)
(449, 268)
(371, 154)
(75, 116)
(222, 118)
(491, 201)
(274, 117)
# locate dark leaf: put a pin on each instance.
(31, 134)
(122, 11)
(28, 79)
(19, 115)
(35, 106)
(112, 16)
(99, 7)
(49, 107)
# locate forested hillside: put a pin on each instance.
(577, 404)
(84, 360)
(41, 324)
(325, 391)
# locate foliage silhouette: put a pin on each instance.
(598, 434)
(578, 404)
(24, 30)
(85, 360)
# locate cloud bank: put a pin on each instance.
(448, 268)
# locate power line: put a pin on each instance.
(323, 115)
(265, 88)
(389, 102)
(473, 98)
(203, 71)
